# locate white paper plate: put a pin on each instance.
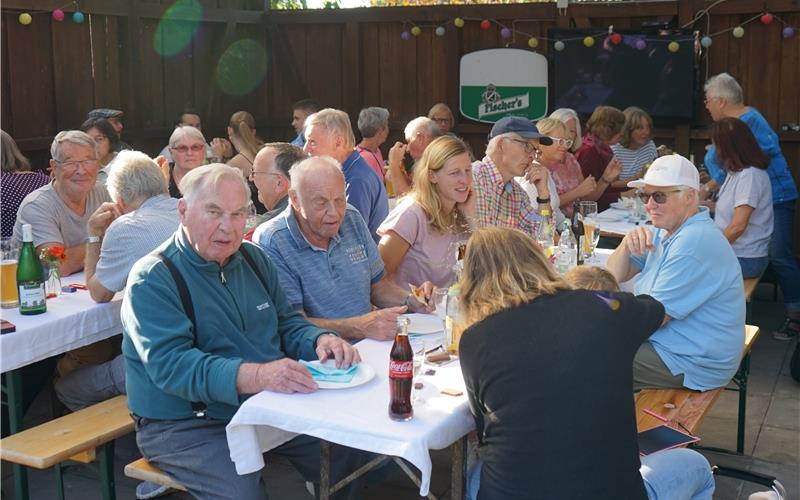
(619, 205)
(364, 374)
(422, 324)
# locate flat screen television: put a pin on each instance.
(639, 71)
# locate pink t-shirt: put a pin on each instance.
(567, 175)
(373, 159)
(431, 255)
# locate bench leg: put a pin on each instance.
(15, 414)
(59, 469)
(741, 380)
(106, 464)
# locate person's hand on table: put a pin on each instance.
(286, 376)
(380, 324)
(331, 346)
(638, 241)
(101, 218)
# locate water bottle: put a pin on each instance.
(545, 234)
(567, 248)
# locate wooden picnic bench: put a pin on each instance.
(75, 437)
(685, 408)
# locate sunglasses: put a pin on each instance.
(660, 197)
(558, 141)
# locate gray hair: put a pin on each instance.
(724, 86)
(195, 183)
(183, 131)
(315, 165)
(333, 120)
(72, 137)
(564, 115)
(370, 120)
(133, 177)
(422, 124)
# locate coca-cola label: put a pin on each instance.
(401, 369)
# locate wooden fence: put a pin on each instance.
(52, 73)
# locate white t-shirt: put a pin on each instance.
(750, 187)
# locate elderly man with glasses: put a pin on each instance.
(685, 262)
(497, 199)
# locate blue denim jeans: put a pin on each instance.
(678, 474)
(782, 257)
(753, 267)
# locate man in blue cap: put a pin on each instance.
(497, 199)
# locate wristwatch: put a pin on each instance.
(92, 239)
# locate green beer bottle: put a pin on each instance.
(30, 276)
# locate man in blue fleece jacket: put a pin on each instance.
(245, 338)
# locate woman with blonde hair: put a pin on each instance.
(534, 370)
(242, 134)
(421, 236)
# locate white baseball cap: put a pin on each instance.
(669, 170)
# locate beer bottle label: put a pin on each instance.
(401, 369)
(31, 295)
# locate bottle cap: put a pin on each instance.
(27, 232)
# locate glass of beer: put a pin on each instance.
(591, 233)
(9, 254)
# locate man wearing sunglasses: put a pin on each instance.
(686, 263)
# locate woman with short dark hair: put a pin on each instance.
(603, 129)
(744, 206)
(551, 390)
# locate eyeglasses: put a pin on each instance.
(660, 197)
(196, 148)
(567, 143)
(73, 165)
(529, 148)
(442, 120)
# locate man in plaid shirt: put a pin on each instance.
(497, 199)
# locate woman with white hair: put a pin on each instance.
(569, 117)
(373, 123)
(188, 148)
(724, 99)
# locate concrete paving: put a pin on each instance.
(772, 437)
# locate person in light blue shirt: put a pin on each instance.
(686, 263)
(329, 133)
(327, 262)
(724, 99)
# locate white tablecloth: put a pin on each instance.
(601, 256)
(618, 222)
(356, 417)
(72, 320)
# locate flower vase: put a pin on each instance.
(53, 284)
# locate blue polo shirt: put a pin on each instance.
(783, 186)
(695, 274)
(327, 283)
(365, 192)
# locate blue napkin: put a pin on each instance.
(329, 373)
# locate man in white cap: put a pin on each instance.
(685, 262)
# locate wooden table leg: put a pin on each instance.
(324, 470)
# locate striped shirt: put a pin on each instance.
(499, 203)
(633, 160)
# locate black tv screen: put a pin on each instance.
(638, 71)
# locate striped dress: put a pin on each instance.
(633, 160)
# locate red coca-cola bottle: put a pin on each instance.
(401, 371)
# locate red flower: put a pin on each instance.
(53, 254)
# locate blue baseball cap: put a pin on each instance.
(521, 126)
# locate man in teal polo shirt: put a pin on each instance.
(686, 263)
(327, 261)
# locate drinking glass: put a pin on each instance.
(591, 232)
(9, 256)
(440, 301)
(418, 348)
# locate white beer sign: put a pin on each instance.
(503, 82)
